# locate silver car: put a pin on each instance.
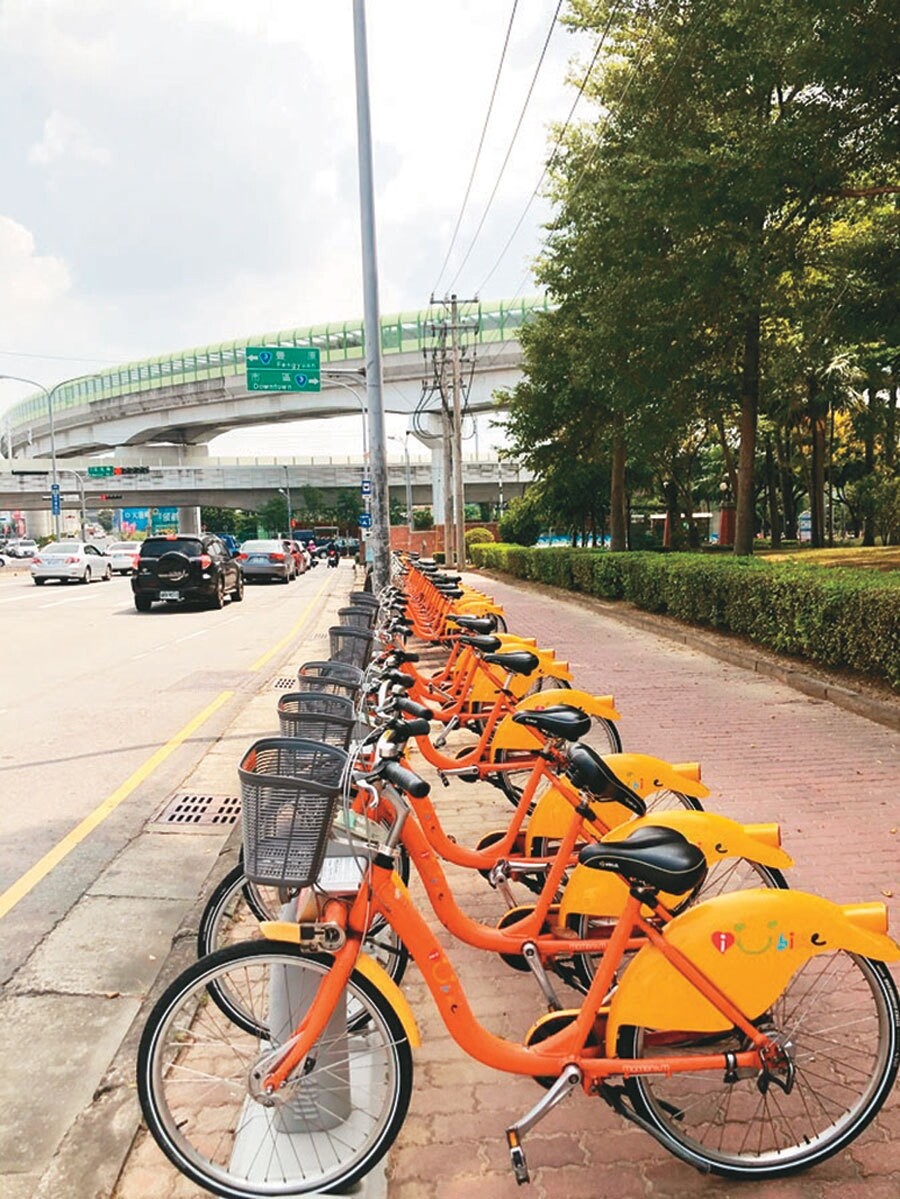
(267, 560)
(66, 560)
(125, 556)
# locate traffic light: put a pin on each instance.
(109, 495)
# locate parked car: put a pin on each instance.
(231, 542)
(267, 559)
(182, 568)
(300, 556)
(65, 560)
(22, 547)
(125, 555)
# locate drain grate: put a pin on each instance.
(200, 813)
(284, 684)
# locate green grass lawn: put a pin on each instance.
(879, 557)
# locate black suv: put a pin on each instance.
(182, 567)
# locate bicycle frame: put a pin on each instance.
(383, 894)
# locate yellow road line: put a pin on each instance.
(292, 634)
(50, 860)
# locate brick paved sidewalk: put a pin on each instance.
(768, 753)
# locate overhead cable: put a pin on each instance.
(512, 143)
(487, 118)
(553, 153)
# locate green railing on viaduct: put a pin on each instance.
(339, 342)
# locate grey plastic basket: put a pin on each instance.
(289, 790)
(317, 716)
(340, 678)
(352, 646)
(364, 599)
(358, 618)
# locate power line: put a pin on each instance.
(487, 118)
(553, 152)
(512, 143)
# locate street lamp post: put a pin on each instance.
(408, 476)
(80, 481)
(50, 393)
(338, 378)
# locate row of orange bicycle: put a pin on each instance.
(749, 1028)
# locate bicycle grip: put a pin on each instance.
(399, 678)
(404, 729)
(405, 780)
(414, 709)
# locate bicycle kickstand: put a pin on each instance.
(561, 1089)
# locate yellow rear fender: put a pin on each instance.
(749, 944)
(552, 817)
(288, 930)
(647, 775)
(602, 706)
(718, 836)
(601, 893)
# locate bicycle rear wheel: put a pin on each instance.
(838, 1016)
(330, 1123)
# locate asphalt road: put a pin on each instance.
(98, 700)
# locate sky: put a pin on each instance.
(182, 172)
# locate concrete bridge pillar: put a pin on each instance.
(431, 438)
(189, 520)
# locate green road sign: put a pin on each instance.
(288, 368)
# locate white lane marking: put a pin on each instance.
(188, 636)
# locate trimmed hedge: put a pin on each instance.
(842, 618)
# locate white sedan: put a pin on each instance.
(66, 560)
(125, 556)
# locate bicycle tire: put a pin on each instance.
(232, 915)
(194, 1081)
(852, 1002)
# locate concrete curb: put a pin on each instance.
(818, 684)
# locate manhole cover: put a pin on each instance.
(200, 813)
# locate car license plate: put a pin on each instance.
(170, 595)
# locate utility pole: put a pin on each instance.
(381, 548)
(451, 421)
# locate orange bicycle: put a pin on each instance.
(754, 1036)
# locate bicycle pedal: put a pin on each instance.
(517, 1157)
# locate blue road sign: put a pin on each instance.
(366, 487)
(55, 500)
(365, 520)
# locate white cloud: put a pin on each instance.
(193, 172)
(65, 138)
(32, 283)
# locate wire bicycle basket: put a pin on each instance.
(317, 716)
(289, 791)
(351, 646)
(339, 678)
(362, 617)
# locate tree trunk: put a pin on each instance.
(890, 427)
(786, 479)
(745, 513)
(869, 443)
(772, 493)
(617, 523)
(817, 425)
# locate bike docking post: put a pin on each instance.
(319, 1101)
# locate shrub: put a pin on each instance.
(835, 618)
(477, 536)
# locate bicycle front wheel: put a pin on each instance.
(838, 1020)
(325, 1128)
